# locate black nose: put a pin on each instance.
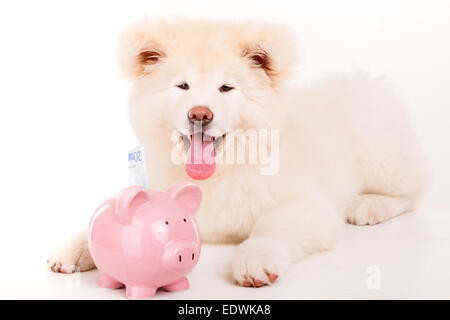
(200, 113)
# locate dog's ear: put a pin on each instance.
(140, 49)
(270, 48)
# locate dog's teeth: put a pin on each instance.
(187, 142)
(217, 142)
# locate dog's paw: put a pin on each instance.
(368, 211)
(259, 262)
(70, 260)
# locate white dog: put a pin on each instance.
(343, 150)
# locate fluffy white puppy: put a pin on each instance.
(338, 151)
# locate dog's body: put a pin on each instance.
(346, 148)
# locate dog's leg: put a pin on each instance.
(369, 209)
(73, 256)
(308, 225)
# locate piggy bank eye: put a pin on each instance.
(167, 222)
(184, 219)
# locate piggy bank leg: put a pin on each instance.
(137, 292)
(106, 281)
(179, 285)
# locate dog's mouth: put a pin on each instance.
(217, 141)
(201, 150)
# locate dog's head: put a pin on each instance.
(220, 75)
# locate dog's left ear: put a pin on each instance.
(270, 48)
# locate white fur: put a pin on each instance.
(347, 151)
(72, 256)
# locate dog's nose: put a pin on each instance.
(200, 113)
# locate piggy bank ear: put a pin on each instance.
(188, 194)
(128, 201)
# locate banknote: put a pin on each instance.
(136, 167)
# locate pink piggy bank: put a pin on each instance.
(145, 240)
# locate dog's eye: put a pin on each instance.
(225, 88)
(183, 86)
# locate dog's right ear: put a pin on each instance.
(140, 49)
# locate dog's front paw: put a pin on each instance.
(373, 209)
(72, 258)
(259, 262)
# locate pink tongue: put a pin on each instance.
(200, 162)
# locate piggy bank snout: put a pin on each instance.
(181, 255)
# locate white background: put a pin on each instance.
(64, 137)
